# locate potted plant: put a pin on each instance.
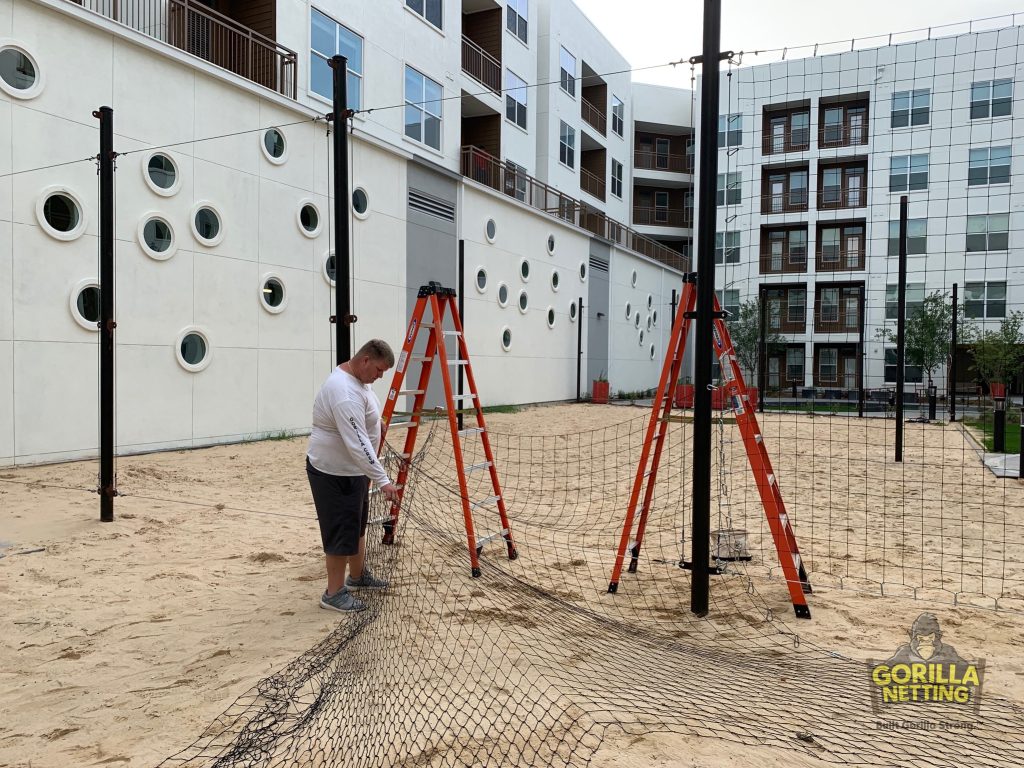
(600, 388)
(684, 393)
(997, 353)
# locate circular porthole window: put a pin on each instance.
(490, 230)
(206, 224)
(502, 294)
(481, 279)
(156, 237)
(629, 310)
(636, 320)
(632, 279)
(192, 348)
(274, 146)
(329, 268)
(551, 317)
(648, 322)
(360, 202)
(506, 338)
(85, 304)
(641, 337)
(650, 301)
(60, 213)
(583, 271)
(551, 244)
(554, 280)
(654, 318)
(272, 293)
(161, 174)
(572, 312)
(19, 73)
(524, 270)
(524, 302)
(309, 219)
(652, 351)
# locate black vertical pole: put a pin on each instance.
(703, 344)
(462, 315)
(762, 349)
(579, 349)
(107, 489)
(1020, 465)
(901, 325)
(342, 268)
(861, 307)
(951, 386)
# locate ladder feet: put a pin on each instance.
(513, 553)
(476, 573)
(613, 587)
(806, 586)
(802, 611)
(479, 551)
(389, 536)
(632, 566)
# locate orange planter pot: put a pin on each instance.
(599, 391)
(997, 389)
(684, 396)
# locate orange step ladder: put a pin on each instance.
(439, 301)
(753, 442)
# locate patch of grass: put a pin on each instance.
(815, 408)
(985, 426)
(500, 409)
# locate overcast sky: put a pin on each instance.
(656, 31)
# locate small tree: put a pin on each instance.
(998, 354)
(928, 333)
(745, 329)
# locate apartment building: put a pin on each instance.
(492, 133)
(815, 154)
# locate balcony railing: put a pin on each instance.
(485, 169)
(777, 263)
(795, 200)
(203, 32)
(840, 261)
(480, 65)
(593, 116)
(659, 161)
(839, 197)
(592, 184)
(647, 216)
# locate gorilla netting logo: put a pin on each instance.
(926, 673)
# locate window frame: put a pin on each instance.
(618, 116)
(792, 198)
(849, 133)
(915, 299)
(566, 144)
(986, 234)
(517, 14)
(729, 189)
(984, 306)
(730, 130)
(789, 259)
(985, 107)
(354, 101)
(616, 179)
(728, 246)
(424, 9)
(517, 106)
(917, 244)
(567, 79)
(789, 142)
(980, 167)
(902, 173)
(907, 117)
(842, 261)
(421, 107)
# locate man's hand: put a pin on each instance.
(390, 491)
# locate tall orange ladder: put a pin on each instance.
(753, 442)
(439, 301)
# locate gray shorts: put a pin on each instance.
(342, 508)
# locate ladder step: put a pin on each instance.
(471, 431)
(379, 520)
(478, 467)
(453, 333)
(491, 537)
(404, 425)
(411, 391)
(458, 362)
(426, 325)
(484, 502)
(470, 396)
(421, 358)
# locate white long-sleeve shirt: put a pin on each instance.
(346, 429)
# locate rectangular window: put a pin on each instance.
(783, 250)
(911, 108)
(915, 300)
(842, 125)
(985, 300)
(567, 144)
(828, 306)
(911, 373)
(991, 98)
(661, 207)
(786, 132)
(828, 364)
(568, 72)
(515, 98)
(988, 232)
(329, 38)
(730, 130)
(908, 173)
(989, 165)
(516, 14)
(618, 115)
(428, 9)
(841, 246)
(661, 154)
(784, 190)
(515, 180)
(917, 237)
(797, 300)
(729, 300)
(422, 108)
(617, 178)
(842, 186)
(727, 247)
(795, 364)
(730, 188)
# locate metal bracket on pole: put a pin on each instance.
(723, 56)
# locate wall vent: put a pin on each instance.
(431, 206)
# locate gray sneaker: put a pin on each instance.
(366, 581)
(342, 601)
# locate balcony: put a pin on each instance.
(786, 309)
(480, 65)
(837, 308)
(659, 161)
(650, 216)
(593, 116)
(794, 201)
(592, 184)
(487, 170)
(208, 34)
(843, 185)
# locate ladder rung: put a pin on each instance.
(411, 391)
(404, 425)
(471, 431)
(471, 395)
(426, 325)
(453, 333)
(478, 467)
(484, 502)
(422, 358)
(491, 537)
(458, 362)
(379, 520)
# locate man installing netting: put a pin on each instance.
(340, 463)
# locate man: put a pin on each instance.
(340, 463)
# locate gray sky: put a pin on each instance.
(655, 31)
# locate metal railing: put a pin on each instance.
(592, 184)
(480, 65)
(648, 216)
(212, 36)
(593, 116)
(794, 200)
(842, 197)
(775, 263)
(659, 161)
(486, 169)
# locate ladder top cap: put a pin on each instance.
(434, 288)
